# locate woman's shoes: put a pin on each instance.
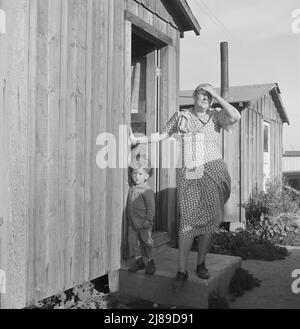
(202, 272)
(150, 268)
(180, 280)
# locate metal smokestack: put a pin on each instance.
(224, 70)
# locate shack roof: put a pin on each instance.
(179, 10)
(244, 94)
(184, 15)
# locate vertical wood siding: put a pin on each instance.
(232, 160)
(252, 145)
(65, 78)
(169, 105)
(79, 93)
(62, 215)
(14, 148)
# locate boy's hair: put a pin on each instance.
(143, 164)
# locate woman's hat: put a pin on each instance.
(200, 88)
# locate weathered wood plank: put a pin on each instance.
(41, 156)
(173, 80)
(4, 164)
(152, 113)
(63, 220)
(70, 146)
(164, 117)
(88, 157)
(98, 239)
(31, 251)
(155, 35)
(169, 103)
(115, 199)
(146, 15)
(80, 99)
(232, 159)
(14, 100)
(127, 118)
(133, 7)
(53, 90)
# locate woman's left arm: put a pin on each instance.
(233, 114)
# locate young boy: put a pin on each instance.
(140, 214)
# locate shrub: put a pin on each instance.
(278, 198)
(242, 281)
(81, 297)
(256, 207)
(216, 302)
(281, 229)
(246, 245)
(270, 214)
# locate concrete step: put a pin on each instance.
(195, 293)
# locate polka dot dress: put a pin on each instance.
(203, 181)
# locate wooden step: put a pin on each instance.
(162, 241)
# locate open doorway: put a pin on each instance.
(145, 99)
(267, 153)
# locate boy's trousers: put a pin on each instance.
(140, 242)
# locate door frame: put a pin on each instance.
(266, 155)
(136, 25)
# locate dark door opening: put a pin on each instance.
(145, 100)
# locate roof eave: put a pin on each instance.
(280, 102)
(185, 18)
(189, 16)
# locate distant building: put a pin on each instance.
(291, 168)
(253, 151)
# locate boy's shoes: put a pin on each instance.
(150, 268)
(137, 266)
(180, 280)
(202, 272)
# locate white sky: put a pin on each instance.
(262, 49)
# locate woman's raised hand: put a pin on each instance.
(208, 88)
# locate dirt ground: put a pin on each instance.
(275, 291)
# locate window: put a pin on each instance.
(138, 83)
(141, 80)
(267, 153)
(266, 137)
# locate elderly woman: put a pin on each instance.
(203, 181)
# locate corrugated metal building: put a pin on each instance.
(253, 151)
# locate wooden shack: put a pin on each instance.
(253, 150)
(291, 168)
(69, 71)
